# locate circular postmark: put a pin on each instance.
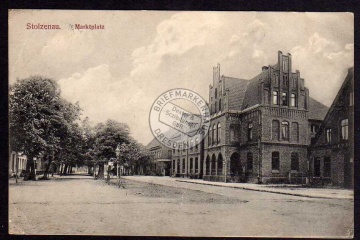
(179, 118)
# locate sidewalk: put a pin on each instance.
(288, 189)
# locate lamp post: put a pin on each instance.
(118, 173)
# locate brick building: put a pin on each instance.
(269, 129)
(260, 128)
(187, 162)
(331, 154)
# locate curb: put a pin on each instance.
(266, 190)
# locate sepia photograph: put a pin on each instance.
(181, 123)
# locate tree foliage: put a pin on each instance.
(40, 121)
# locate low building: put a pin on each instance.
(17, 163)
(161, 157)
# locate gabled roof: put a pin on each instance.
(331, 112)
(153, 143)
(252, 93)
(237, 88)
(317, 110)
(275, 66)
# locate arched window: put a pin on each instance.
(275, 161)
(191, 165)
(207, 165)
(285, 130)
(220, 164)
(249, 163)
(191, 144)
(344, 129)
(213, 134)
(178, 166)
(218, 132)
(275, 129)
(213, 165)
(215, 93)
(294, 161)
(219, 105)
(196, 143)
(250, 131)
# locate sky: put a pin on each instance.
(117, 72)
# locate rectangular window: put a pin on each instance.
(328, 135)
(327, 167)
(284, 99)
(344, 129)
(275, 161)
(275, 97)
(285, 130)
(250, 133)
(314, 128)
(293, 100)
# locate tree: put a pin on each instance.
(40, 120)
(130, 154)
(107, 137)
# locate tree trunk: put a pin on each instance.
(30, 171)
(101, 171)
(65, 169)
(49, 159)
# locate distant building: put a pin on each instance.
(332, 151)
(161, 157)
(188, 162)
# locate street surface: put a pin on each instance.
(80, 205)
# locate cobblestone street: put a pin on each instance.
(78, 204)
